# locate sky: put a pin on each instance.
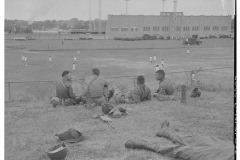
(67, 9)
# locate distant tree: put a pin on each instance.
(28, 30)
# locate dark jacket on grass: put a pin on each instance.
(138, 94)
(64, 90)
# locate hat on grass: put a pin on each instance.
(70, 136)
(58, 152)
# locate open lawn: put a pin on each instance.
(30, 124)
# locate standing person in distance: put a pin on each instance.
(50, 61)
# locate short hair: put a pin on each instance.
(96, 71)
(160, 71)
(141, 79)
(65, 73)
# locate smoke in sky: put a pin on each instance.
(38, 9)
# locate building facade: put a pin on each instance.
(167, 24)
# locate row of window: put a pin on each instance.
(166, 28)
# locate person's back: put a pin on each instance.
(97, 87)
(143, 91)
(167, 85)
(140, 93)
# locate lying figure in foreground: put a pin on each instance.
(194, 147)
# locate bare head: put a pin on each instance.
(160, 74)
(67, 75)
(140, 80)
(96, 71)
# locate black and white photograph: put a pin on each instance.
(119, 80)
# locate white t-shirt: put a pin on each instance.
(25, 58)
(75, 59)
(74, 67)
(50, 59)
(150, 58)
(154, 58)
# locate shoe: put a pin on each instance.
(134, 144)
(165, 124)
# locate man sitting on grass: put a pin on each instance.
(140, 93)
(96, 89)
(166, 87)
(64, 90)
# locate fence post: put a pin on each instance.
(134, 80)
(9, 91)
(183, 95)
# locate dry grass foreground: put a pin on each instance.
(30, 127)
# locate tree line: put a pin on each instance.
(23, 26)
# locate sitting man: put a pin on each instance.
(64, 90)
(96, 89)
(138, 94)
(166, 87)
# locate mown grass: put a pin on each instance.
(31, 122)
(30, 127)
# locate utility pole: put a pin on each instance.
(174, 16)
(90, 21)
(163, 5)
(99, 17)
(127, 6)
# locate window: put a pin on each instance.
(195, 28)
(224, 28)
(215, 28)
(165, 28)
(178, 28)
(206, 28)
(134, 29)
(155, 28)
(114, 29)
(146, 28)
(186, 28)
(124, 29)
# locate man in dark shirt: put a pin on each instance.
(64, 90)
(140, 93)
(166, 88)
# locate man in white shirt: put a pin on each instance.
(50, 61)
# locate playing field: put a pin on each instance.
(30, 124)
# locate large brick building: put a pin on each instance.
(167, 24)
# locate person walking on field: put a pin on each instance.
(163, 61)
(50, 61)
(25, 59)
(75, 59)
(73, 67)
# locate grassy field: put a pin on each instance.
(30, 125)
